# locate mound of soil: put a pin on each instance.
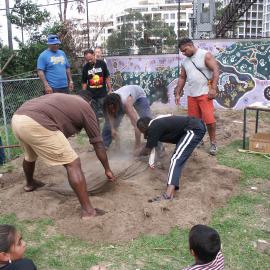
(204, 186)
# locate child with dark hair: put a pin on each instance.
(204, 245)
(12, 248)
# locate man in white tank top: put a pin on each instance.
(200, 74)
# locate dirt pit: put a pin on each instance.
(204, 186)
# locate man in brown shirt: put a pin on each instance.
(43, 124)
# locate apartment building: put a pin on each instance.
(95, 34)
(251, 24)
(166, 10)
(266, 18)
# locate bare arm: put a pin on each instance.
(108, 83)
(102, 156)
(212, 64)
(113, 130)
(130, 111)
(70, 82)
(41, 75)
(180, 85)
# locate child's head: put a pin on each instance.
(12, 247)
(204, 243)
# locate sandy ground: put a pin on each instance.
(204, 186)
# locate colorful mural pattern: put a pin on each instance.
(244, 77)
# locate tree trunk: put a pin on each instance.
(22, 28)
(65, 10)
(60, 11)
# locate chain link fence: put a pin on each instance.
(13, 93)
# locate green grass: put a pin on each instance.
(241, 222)
(82, 138)
(14, 152)
(7, 167)
(251, 165)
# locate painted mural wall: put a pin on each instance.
(244, 77)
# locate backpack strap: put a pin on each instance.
(200, 70)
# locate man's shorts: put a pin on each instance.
(202, 107)
(37, 141)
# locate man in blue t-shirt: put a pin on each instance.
(54, 69)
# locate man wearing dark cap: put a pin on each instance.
(54, 69)
(42, 126)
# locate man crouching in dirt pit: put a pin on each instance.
(128, 100)
(42, 126)
(183, 131)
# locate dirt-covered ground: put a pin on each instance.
(205, 185)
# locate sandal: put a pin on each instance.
(162, 197)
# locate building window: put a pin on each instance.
(148, 16)
(182, 16)
(241, 30)
(182, 24)
(166, 16)
(157, 16)
(173, 16)
(254, 15)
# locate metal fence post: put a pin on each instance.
(4, 116)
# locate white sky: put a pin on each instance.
(102, 8)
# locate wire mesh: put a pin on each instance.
(13, 94)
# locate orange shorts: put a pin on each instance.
(202, 107)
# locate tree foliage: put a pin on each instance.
(63, 10)
(219, 11)
(27, 15)
(25, 60)
(142, 32)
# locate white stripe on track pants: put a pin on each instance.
(182, 152)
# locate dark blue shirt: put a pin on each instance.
(22, 264)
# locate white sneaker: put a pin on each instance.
(213, 149)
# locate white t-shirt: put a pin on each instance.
(134, 91)
(197, 84)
